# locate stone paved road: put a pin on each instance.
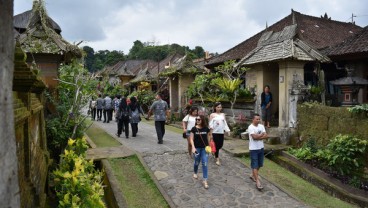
(229, 184)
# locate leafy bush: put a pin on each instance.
(346, 153)
(77, 183)
(359, 109)
(145, 97)
(244, 93)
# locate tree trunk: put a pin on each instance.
(9, 186)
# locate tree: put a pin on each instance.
(89, 58)
(135, 50)
(9, 188)
(199, 51)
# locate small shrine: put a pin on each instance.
(350, 87)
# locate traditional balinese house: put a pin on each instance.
(352, 53)
(130, 69)
(40, 38)
(284, 54)
(181, 74)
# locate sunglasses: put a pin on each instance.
(198, 119)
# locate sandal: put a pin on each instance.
(253, 179)
(205, 184)
(260, 187)
(195, 176)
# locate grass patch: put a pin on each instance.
(100, 137)
(296, 186)
(136, 184)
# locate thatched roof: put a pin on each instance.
(38, 33)
(275, 46)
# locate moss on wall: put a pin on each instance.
(324, 122)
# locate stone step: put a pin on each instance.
(273, 140)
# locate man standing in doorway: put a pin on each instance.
(257, 134)
(160, 110)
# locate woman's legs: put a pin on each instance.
(202, 155)
(126, 128)
(189, 145)
(219, 142)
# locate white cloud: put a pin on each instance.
(216, 25)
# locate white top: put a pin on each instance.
(255, 144)
(218, 123)
(190, 121)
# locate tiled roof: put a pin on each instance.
(166, 63)
(352, 45)
(317, 32)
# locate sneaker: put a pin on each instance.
(118, 135)
(195, 176)
(160, 142)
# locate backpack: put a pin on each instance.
(124, 114)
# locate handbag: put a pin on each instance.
(213, 146)
(207, 148)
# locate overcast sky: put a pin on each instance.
(216, 25)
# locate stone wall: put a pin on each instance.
(30, 134)
(324, 123)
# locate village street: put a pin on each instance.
(229, 184)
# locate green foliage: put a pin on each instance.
(359, 109)
(145, 97)
(95, 61)
(228, 87)
(77, 183)
(74, 91)
(315, 90)
(346, 153)
(244, 93)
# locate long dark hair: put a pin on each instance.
(203, 121)
(192, 109)
(133, 103)
(123, 104)
(214, 106)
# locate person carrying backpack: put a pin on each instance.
(124, 113)
(136, 110)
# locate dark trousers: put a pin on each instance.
(160, 130)
(219, 142)
(107, 114)
(93, 113)
(123, 124)
(99, 114)
(134, 129)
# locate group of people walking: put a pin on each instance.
(127, 111)
(199, 135)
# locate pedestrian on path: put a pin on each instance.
(188, 123)
(92, 107)
(124, 113)
(136, 110)
(257, 133)
(199, 136)
(107, 112)
(99, 107)
(160, 110)
(266, 101)
(218, 126)
(115, 105)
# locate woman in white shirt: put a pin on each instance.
(218, 126)
(188, 123)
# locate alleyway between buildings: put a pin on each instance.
(229, 184)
